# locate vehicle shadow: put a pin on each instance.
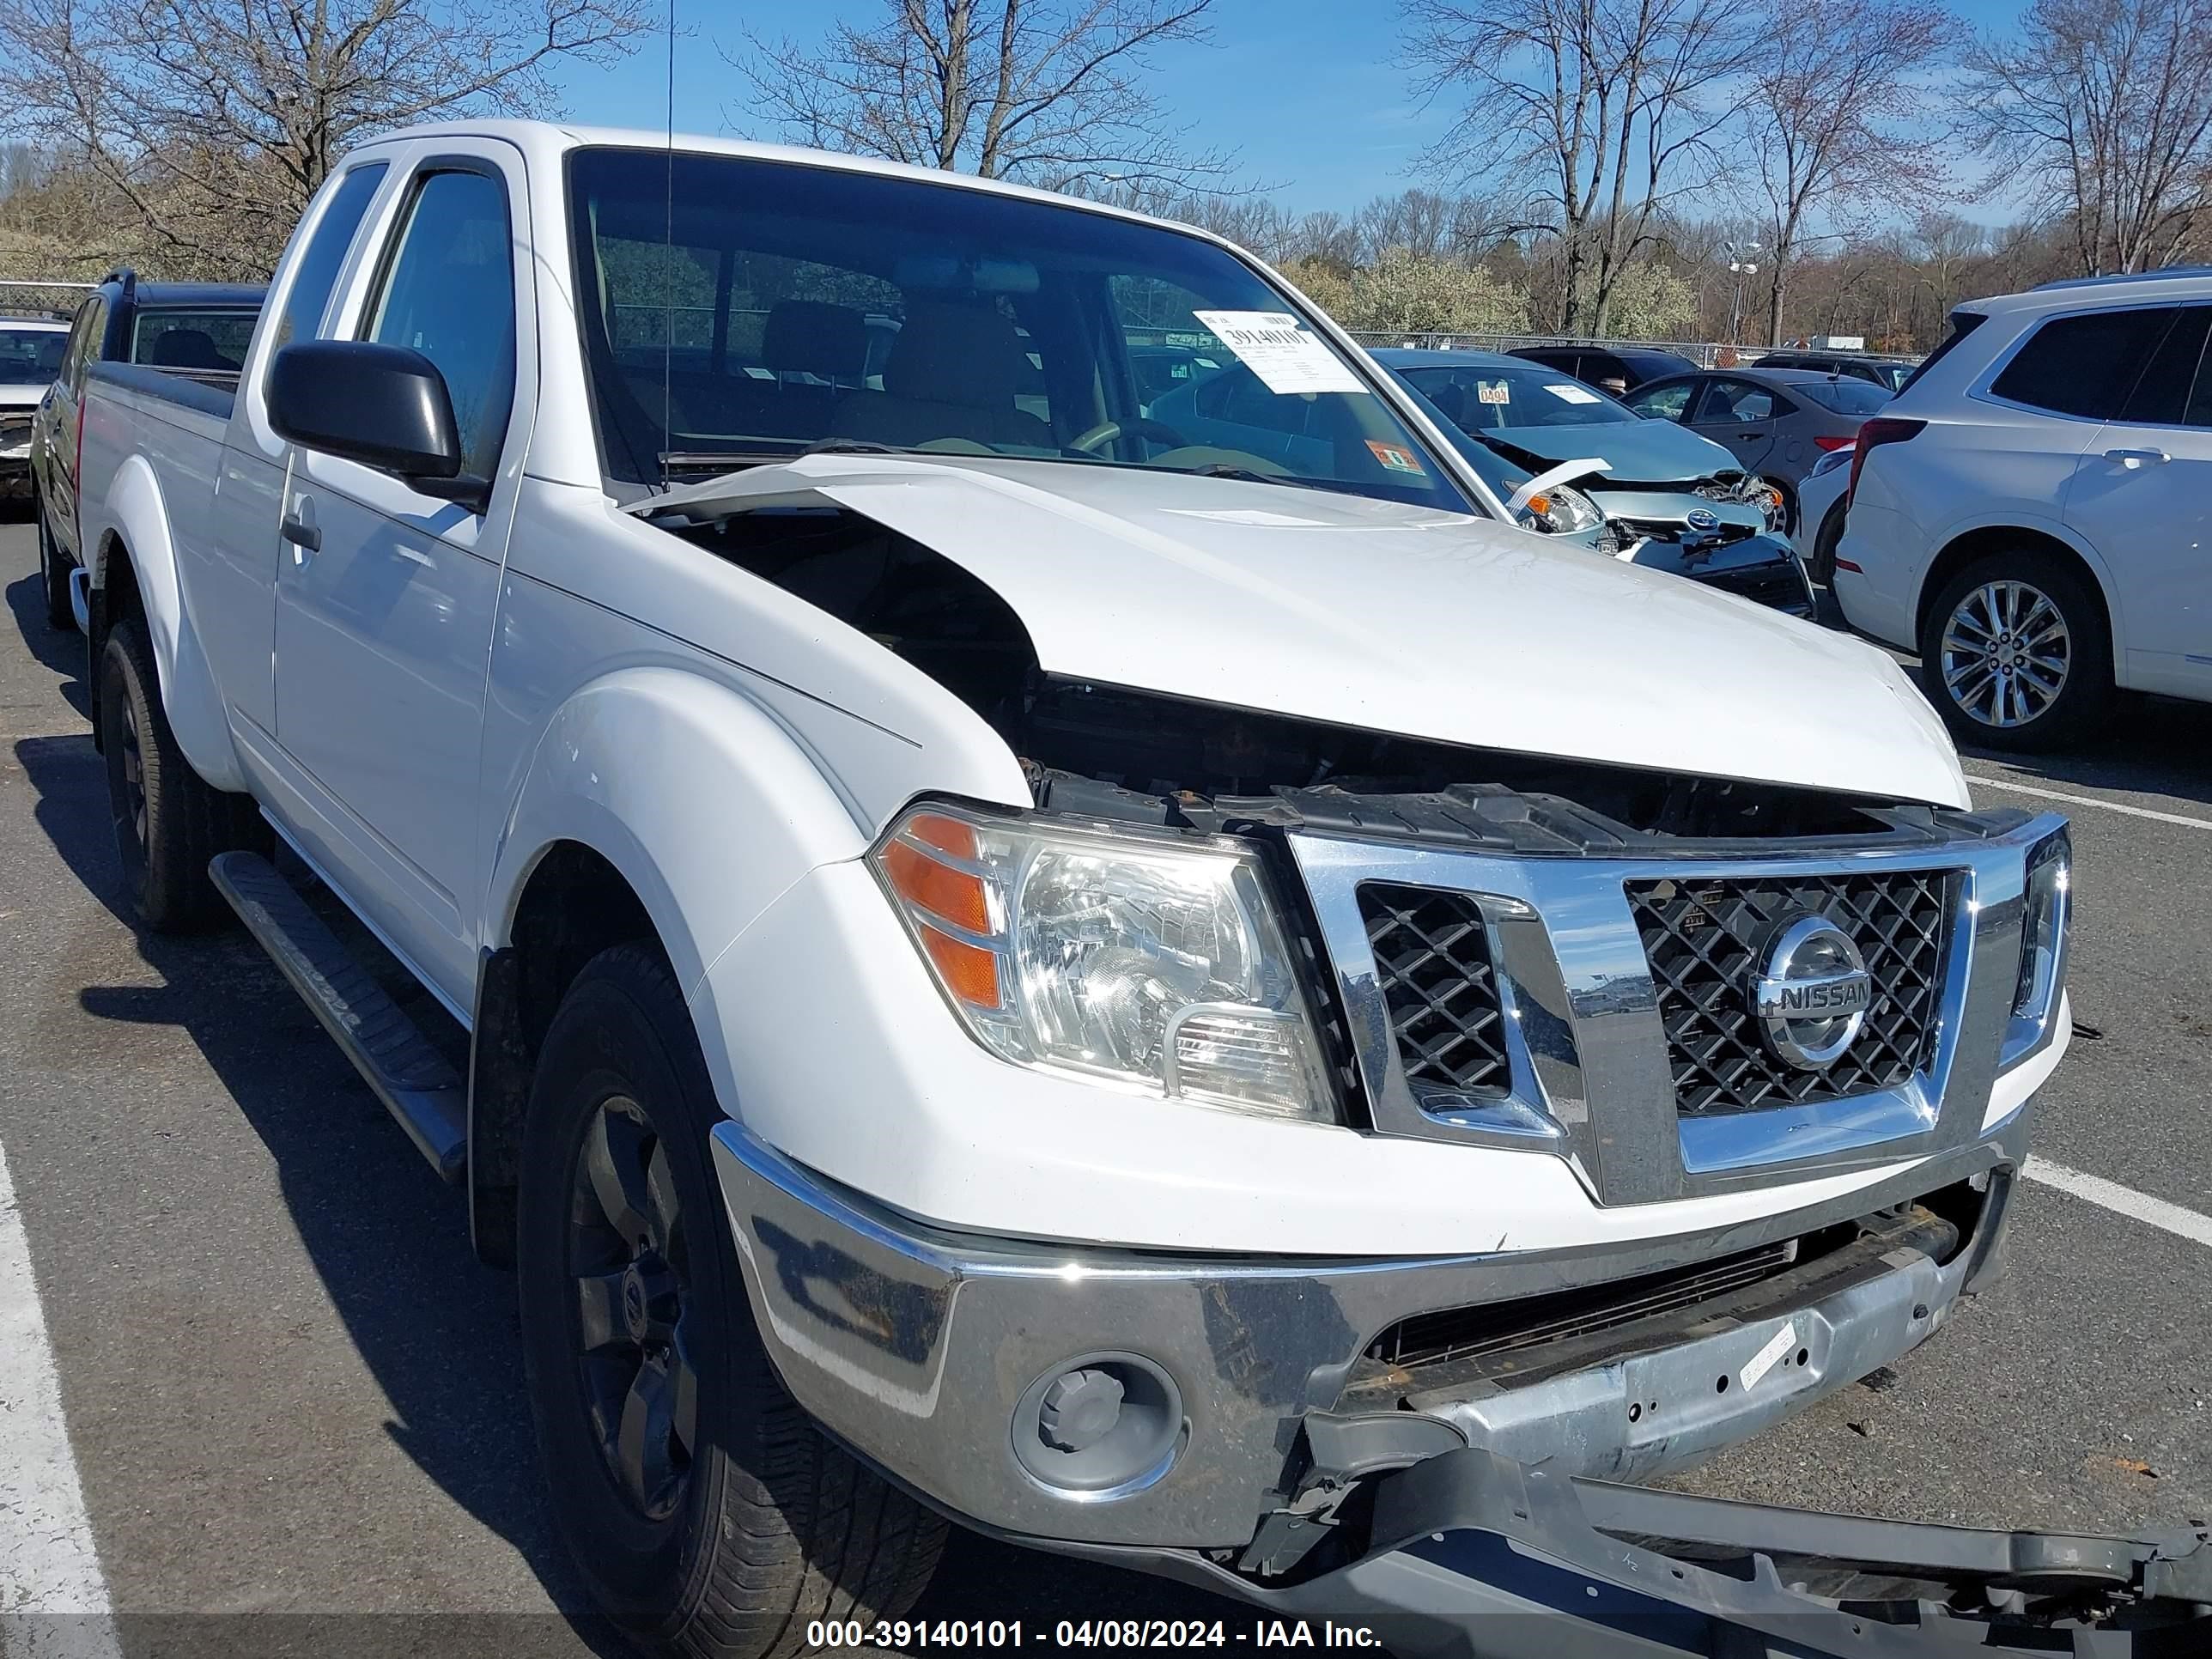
(2148, 745)
(437, 1330)
(61, 650)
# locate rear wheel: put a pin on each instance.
(169, 822)
(54, 575)
(1824, 545)
(709, 1516)
(2017, 654)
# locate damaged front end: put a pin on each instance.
(1467, 1554)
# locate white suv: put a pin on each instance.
(2031, 515)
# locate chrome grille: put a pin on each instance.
(1703, 940)
(1433, 962)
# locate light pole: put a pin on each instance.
(1741, 265)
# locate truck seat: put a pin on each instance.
(951, 374)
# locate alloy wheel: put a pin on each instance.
(2006, 653)
(134, 773)
(629, 1269)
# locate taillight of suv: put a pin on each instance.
(1882, 429)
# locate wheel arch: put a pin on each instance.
(134, 573)
(1963, 549)
(655, 806)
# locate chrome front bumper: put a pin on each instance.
(916, 1348)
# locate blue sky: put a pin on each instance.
(1305, 91)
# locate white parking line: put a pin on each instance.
(54, 1601)
(2090, 801)
(2123, 1200)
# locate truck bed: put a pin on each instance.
(209, 391)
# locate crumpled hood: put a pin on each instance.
(1636, 452)
(1401, 619)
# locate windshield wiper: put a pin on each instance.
(1246, 475)
(850, 446)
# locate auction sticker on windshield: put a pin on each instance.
(1288, 359)
(1568, 392)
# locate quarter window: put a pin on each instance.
(448, 292)
(320, 261)
(2084, 365)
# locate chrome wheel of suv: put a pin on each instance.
(2007, 654)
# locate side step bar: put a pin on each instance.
(412, 1078)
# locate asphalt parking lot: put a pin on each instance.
(294, 1400)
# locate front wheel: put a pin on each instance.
(2015, 653)
(709, 1516)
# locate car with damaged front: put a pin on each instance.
(1665, 504)
(984, 954)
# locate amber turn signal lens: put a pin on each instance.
(947, 835)
(970, 973)
(939, 889)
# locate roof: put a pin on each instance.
(1623, 350)
(548, 141)
(1756, 373)
(242, 294)
(1410, 357)
(2176, 282)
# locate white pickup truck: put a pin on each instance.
(1113, 983)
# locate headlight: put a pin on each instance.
(1560, 511)
(1140, 960)
(2048, 903)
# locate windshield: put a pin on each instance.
(1478, 399)
(750, 309)
(1846, 396)
(31, 356)
(214, 338)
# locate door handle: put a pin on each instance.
(2132, 459)
(300, 533)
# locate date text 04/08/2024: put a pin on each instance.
(909, 1633)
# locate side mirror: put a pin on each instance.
(384, 406)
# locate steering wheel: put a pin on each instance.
(1138, 426)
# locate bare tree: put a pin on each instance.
(1834, 116)
(214, 120)
(2105, 107)
(1600, 110)
(1050, 91)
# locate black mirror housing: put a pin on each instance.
(385, 406)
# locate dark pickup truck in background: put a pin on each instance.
(196, 329)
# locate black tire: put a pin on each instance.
(169, 823)
(724, 1545)
(54, 574)
(1824, 545)
(2002, 698)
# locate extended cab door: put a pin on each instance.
(2141, 496)
(386, 596)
